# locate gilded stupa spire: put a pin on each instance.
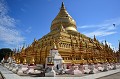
(67, 21)
(119, 46)
(34, 39)
(23, 48)
(94, 38)
(106, 43)
(62, 7)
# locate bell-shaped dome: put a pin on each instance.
(65, 19)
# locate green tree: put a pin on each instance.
(4, 52)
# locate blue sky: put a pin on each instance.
(23, 20)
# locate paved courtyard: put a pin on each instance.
(10, 75)
(1, 76)
(114, 76)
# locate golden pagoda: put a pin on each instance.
(73, 46)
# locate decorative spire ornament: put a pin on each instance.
(119, 45)
(62, 28)
(95, 38)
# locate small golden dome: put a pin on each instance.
(23, 48)
(54, 46)
(63, 17)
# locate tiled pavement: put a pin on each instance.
(113, 76)
(1, 76)
(10, 75)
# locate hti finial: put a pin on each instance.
(34, 39)
(105, 42)
(62, 6)
(94, 38)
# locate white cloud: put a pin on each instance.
(29, 29)
(111, 46)
(88, 26)
(23, 10)
(99, 33)
(9, 35)
(3, 7)
(103, 29)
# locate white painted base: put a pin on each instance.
(77, 72)
(10, 68)
(50, 74)
(20, 72)
(14, 70)
(100, 68)
(30, 70)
